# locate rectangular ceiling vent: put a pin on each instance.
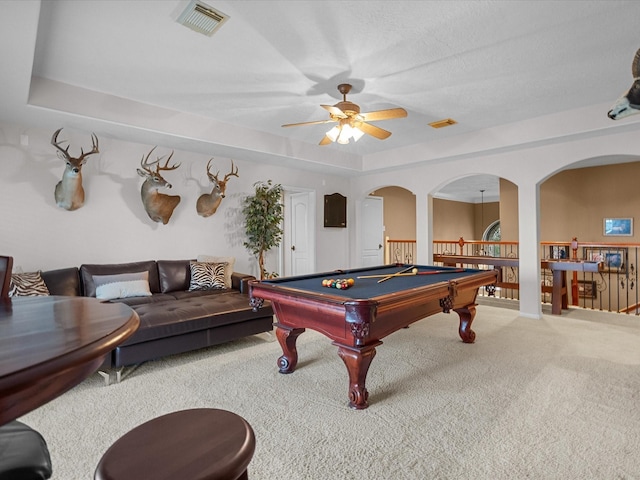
(443, 123)
(201, 18)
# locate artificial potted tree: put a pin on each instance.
(263, 214)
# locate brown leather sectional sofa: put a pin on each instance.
(173, 319)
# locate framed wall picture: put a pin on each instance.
(618, 227)
(613, 259)
(587, 289)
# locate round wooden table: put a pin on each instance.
(50, 344)
(196, 444)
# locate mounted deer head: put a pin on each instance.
(208, 203)
(69, 192)
(159, 206)
(629, 103)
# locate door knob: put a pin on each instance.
(293, 248)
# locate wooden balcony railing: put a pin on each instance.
(508, 287)
(613, 288)
(399, 251)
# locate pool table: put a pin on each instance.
(357, 318)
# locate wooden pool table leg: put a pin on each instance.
(357, 361)
(466, 314)
(287, 338)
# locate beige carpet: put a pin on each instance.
(555, 398)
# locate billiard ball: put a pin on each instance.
(351, 281)
(414, 270)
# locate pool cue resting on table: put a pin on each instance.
(406, 274)
(387, 277)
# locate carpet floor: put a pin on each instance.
(552, 398)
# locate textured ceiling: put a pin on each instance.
(483, 63)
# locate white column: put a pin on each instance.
(529, 252)
(424, 229)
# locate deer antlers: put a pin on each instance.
(146, 165)
(214, 178)
(63, 153)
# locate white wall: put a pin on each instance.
(113, 226)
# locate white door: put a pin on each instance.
(372, 231)
(300, 257)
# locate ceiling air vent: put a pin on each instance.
(201, 18)
(443, 123)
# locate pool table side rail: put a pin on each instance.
(440, 289)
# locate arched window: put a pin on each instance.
(492, 234)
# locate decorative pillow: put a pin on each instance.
(99, 280)
(230, 261)
(28, 284)
(207, 276)
(124, 285)
(133, 288)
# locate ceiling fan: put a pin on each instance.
(352, 123)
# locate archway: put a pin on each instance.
(467, 207)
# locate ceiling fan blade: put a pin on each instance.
(325, 141)
(317, 122)
(333, 110)
(373, 130)
(384, 114)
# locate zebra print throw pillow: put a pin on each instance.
(207, 276)
(28, 284)
(230, 261)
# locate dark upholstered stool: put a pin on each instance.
(198, 444)
(23, 453)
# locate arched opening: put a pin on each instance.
(576, 203)
(469, 207)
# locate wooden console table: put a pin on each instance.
(50, 344)
(559, 269)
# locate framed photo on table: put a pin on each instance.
(618, 227)
(614, 259)
(558, 252)
(587, 289)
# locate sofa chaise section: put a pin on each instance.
(173, 319)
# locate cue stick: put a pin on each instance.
(457, 270)
(387, 277)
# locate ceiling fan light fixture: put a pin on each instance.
(356, 134)
(345, 135)
(333, 133)
(350, 122)
(343, 132)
